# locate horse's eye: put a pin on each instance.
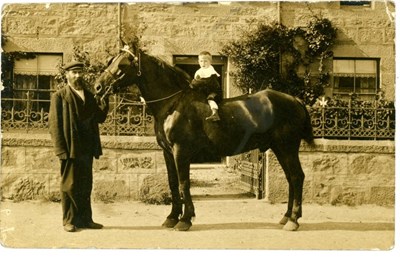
(124, 63)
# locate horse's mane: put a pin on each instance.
(175, 71)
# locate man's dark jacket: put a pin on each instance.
(65, 118)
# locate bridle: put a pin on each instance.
(115, 76)
(116, 79)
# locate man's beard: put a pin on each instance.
(77, 84)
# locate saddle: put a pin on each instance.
(208, 86)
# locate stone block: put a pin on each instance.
(105, 164)
(353, 196)
(383, 195)
(370, 36)
(154, 189)
(134, 186)
(108, 188)
(137, 162)
(41, 159)
(54, 187)
(329, 164)
(12, 157)
(371, 164)
(27, 187)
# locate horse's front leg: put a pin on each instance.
(173, 218)
(182, 163)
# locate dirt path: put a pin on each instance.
(220, 224)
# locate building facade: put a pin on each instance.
(363, 59)
(37, 38)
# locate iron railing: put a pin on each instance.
(26, 115)
(131, 118)
(353, 122)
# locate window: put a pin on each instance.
(34, 79)
(359, 76)
(355, 3)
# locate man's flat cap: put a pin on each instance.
(74, 65)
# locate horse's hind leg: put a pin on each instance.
(289, 160)
(173, 218)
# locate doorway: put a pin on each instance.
(189, 63)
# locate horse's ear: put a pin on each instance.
(110, 60)
(123, 43)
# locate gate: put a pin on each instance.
(252, 168)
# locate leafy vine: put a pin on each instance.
(271, 56)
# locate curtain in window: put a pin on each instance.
(41, 65)
(354, 68)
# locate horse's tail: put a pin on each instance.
(307, 132)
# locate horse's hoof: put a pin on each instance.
(291, 225)
(284, 220)
(183, 226)
(170, 223)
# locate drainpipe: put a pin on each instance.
(279, 11)
(119, 25)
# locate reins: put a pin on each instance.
(139, 73)
(165, 98)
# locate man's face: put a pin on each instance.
(74, 78)
(204, 61)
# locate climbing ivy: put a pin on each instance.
(279, 57)
(92, 68)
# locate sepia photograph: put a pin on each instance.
(259, 126)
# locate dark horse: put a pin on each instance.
(266, 119)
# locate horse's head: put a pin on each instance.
(123, 70)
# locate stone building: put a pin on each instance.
(177, 32)
(41, 36)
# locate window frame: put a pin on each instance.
(38, 96)
(337, 89)
(356, 3)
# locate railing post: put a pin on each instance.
(375, 120)
(28, 110)
(349, 120)
(323, 121)
(114, 116)
(144, 126)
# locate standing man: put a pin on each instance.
(73, 122)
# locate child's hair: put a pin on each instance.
(206, 53)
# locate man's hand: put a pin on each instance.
(102, 102)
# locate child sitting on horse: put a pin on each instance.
(205, 80)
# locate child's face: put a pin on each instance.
(204, 61)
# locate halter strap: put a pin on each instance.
(136, 58)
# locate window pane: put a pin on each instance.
(355, 76)
(345, 84)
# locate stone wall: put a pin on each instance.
(180, 28)
(337, 171)
(30, 169)
(340, 172)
